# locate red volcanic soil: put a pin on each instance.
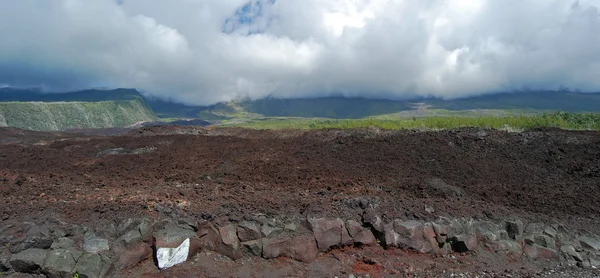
(538, 175)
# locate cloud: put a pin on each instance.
(205, 51)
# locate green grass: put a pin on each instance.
(572, 121)
(49, 116)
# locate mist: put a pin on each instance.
(204, 51)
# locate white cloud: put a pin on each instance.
(204, 51)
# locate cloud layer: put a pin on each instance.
(205, 51)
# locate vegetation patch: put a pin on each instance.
(562, 120)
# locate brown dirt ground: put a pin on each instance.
(539, 175)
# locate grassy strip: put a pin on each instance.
(572, 121)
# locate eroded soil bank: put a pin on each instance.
(223, 177)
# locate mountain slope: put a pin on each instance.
(51, 116)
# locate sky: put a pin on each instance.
(200, 52)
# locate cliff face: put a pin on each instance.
(52, 116)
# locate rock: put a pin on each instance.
(134, 254)
(168, 257)
(353, 227)
(570, 254)
(488, 233)
(303, 248)
(4, 260)
(392, 239)
(291, 227)
(514, 228)
(509, 246)
(534, 228)
(130, 238)
(438, 188)
(29, 261)
(540, 253)
(550, 231)
(63, 243)
(595, 262)
(230, 245)
(545, 241)
(59, 263)
(275, 247)
(93, 266)
(209, 236)
(590, 243)
(410, 236)
(59, 232)
(371, 219)
(94, 244)
(269, 230)
(441, 232)
(430, 236)
(254, 247)
(172, 236)
(35, 239)
(365, 237)
(329, 232)
(248, 231)
(465, 243)
(145, 229)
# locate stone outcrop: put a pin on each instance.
(101, 253)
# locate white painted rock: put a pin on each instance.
(168, 257)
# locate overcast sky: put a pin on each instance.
(205, 51)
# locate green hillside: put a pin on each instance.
(50, 116)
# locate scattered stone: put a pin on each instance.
(429, 209)
(248, 231)
(29, 261)
(94, 244)
(59, 263)
(93, 266)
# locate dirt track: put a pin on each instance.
(542, 175)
